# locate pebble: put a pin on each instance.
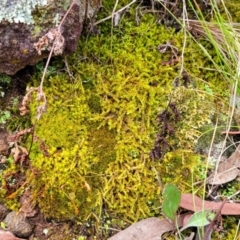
(18, 224)
(3, 212)
(6, 235)
(4, 148)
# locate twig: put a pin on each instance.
(50, 54)
(114, 13)
(211, 225)
(231, 132)
(41, 95)
(64, 17)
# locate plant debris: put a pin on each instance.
(194, 203)
(227, 170)
(166, 128)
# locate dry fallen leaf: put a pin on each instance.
(24, 108)
(195, 204)
(147, 229)
(226, 171)
(16, 153)
(19, 154)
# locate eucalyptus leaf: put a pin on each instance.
(171, 200)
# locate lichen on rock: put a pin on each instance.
(24, 22)
(19, 10)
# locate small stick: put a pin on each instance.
(211, 224)
(231, 132)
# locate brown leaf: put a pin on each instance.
(16, 136)
(24, 151)
(16, 153)
(186, 218)
(19, 154)
(195, 204)
(226, 171)
(147, 229)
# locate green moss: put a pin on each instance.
(11, 189)
(130, 189)
(230, 229)
(109, 120)
(195, 110)
(103, 142)
(64, 174)
(61, 156)
(233, 8)
(182, 168)
(92, 145)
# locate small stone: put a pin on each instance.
(6, 235)
(18, 224)
(4, 147)
(3, 212)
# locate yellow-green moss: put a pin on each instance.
(67, 187)
(195, 110)
(233, 8)
(92, 145)
(182, 168)
(10, 181)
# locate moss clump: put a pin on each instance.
(61, 156)
(92, 146)
(64, 173)
(233, 9)
(195, 110)
(182, 168)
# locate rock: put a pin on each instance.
(6, 235)
(18, 224)
(3, 212)
(4, 148)
(24, 24)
